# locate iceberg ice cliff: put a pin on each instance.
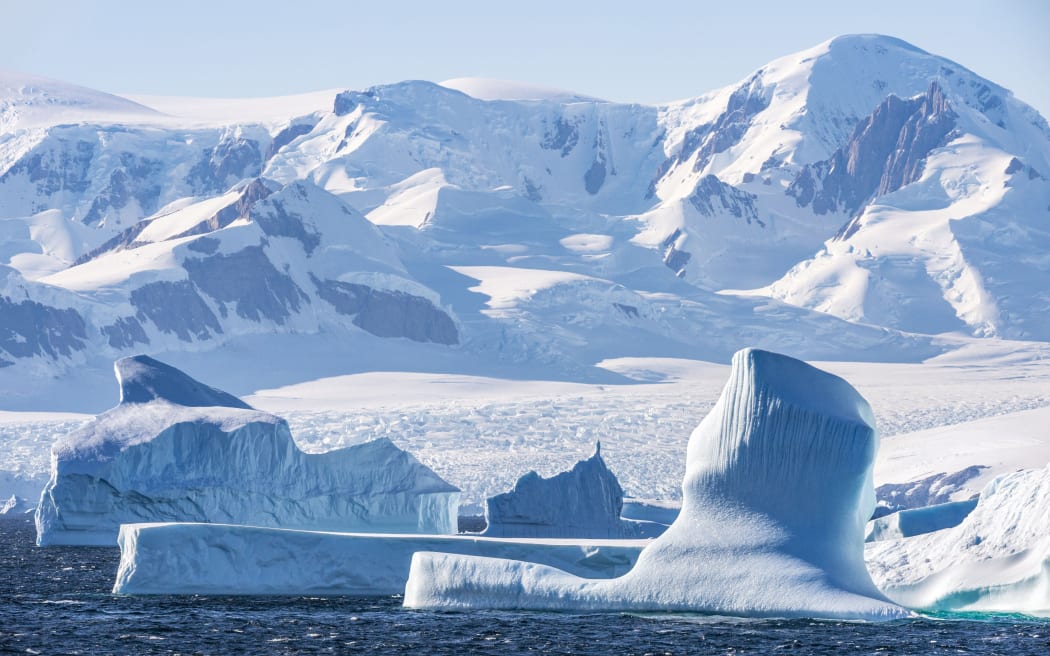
(220, 559)
(777, 491)
(996, 559)
(584, 502)
(175, 449)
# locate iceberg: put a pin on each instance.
(584, 502)
(777, 491)
(217, 559)
(916, 521)
(175, 449)
(996, 559)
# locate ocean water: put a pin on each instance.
(57, 601)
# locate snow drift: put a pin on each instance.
(777, 491)
(997, 559)
(221, 559)
(175, 449)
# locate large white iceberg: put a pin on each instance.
(584, 502)
(996, 559)
(177, 450)
(777, 491)
(220, 559)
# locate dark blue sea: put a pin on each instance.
(57, 601)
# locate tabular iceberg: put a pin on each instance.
(175, 449)
(777, 491)
(997, 559)
(584, 502)
(220, 559)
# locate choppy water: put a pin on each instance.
(57, 601)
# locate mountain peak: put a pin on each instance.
(28, 101)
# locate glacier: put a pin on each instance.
(996, 559)
(584, 502)
(777, 490)
(218, 559)
(175, 449)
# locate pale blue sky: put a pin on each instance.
(629, 51)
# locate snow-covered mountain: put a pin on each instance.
(860, 196)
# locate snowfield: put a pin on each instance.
(481, 434)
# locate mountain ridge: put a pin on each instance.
(862, 190)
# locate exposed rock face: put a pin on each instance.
(562, 136)
(231, 160)
(176, 307)
(288, 135)
(389, 313)
(28, 329)
(277, 221)
(739, 203)
(136, 179)
(175, 449)
(248, 280)
(253, 192)
(674, 258)
(777, 490)
(63, 167)
(124, 332)
(584, 502)
(709, 139)
(886, 151)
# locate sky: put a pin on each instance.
(634, 51)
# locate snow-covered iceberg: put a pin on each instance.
(222, 559)
(584, 502)
(997, 559)
(777, 491)
(175, 449)
(916, 521)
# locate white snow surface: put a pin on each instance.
(997, 559)
(491, 89)
(777, 489)
(221, 111)
(31, 101)
(186, 558)
(175, 449)
(482, 433)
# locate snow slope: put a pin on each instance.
(954, 463)
(791, 546)
(31, 101)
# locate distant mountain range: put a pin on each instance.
(851, 201)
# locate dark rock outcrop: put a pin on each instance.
(249, 281)
(710, 190)
(176, 307)
(29, 328)
(386, 313)
(886, 151)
